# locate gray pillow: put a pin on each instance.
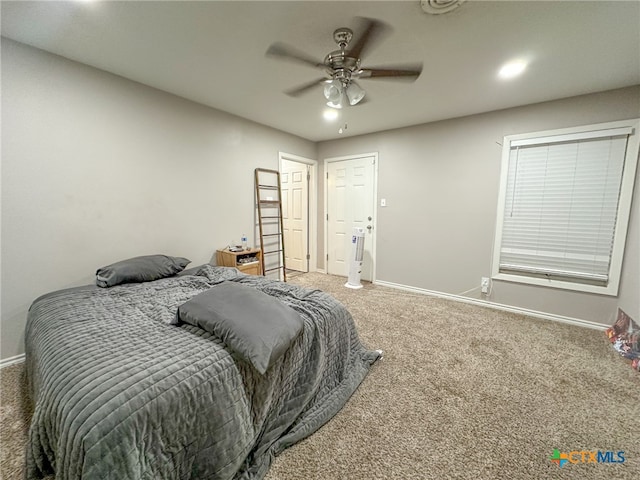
(140, 269)
(256, 327)
(190, 271)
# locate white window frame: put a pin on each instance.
(624, 203)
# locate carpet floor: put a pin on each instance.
(462, 392)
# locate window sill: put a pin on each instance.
(610, 290)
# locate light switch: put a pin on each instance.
(383, 202)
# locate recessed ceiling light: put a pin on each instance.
(512, 69)
(330, 114)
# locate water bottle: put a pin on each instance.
(244, 242)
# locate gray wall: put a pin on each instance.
(441, 184)
(96, 168)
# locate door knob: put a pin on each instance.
(369, 227)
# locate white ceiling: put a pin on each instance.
(213, 53)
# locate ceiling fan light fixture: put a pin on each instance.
(355, 93)
(333, 91)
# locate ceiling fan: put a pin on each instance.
(343, 66)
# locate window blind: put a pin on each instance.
(561, 207)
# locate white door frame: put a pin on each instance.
(375, 206)
(312, 203)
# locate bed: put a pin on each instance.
(123, 389)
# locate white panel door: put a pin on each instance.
(350, 203)
(295, 188)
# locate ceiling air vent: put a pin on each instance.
(438, 7)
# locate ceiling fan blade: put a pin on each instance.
(297, 91)
(404, 72)
(286, 52)
(371, 31)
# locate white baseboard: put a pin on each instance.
(496, 306)
(321, 270)
(5, 362)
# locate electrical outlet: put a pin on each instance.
(485, 284)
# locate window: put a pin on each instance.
(563, 210)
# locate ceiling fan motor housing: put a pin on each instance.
(341, 60)
(339, 63)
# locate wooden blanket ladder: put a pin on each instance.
(270, 223)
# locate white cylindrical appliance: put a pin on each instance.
(357, 254)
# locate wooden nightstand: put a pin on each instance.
(247, 261)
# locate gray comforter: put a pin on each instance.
(120, 393)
